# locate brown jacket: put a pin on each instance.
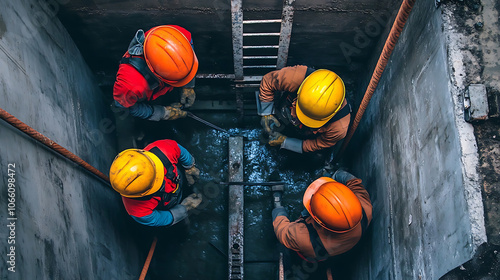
(289, 79)
(295, 236)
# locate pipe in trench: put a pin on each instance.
(390, 43)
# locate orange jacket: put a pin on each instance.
(289, 79)
(295, 235)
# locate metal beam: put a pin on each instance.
(261, 47)
(214, 76)
(259, 66)
(286, 33)
(235, 244)
(261, 21)
(260, 34)
(237, 27)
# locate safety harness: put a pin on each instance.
(170, 198)
(142, 67)
(317, 244)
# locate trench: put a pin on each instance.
(413, 149)
(197, 249)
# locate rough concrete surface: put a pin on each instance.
(69, 224)
(420, 161)
(423, 165)
(476, 28)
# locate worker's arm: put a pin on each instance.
(163, 218)
(141, 110)
(186, 159)
(356, 186)
(285, 230)
(286, 79)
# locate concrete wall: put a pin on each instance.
(69, 224)
(418, 159)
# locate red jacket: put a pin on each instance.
(131, 87)
(141, 207)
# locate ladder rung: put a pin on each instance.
(259, 66)
(250, 79)
(260, 34)
(246, 85)
(261, 57)
(261, 21)
(261, 47)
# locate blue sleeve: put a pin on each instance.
(186, 159)
(139, 110)
(155, 219)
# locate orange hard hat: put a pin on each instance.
(333, 205)
(170, 56)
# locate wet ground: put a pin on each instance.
(197, 249)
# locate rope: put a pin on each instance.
(4, 115)
(390, 43)
(148, 259)
(10, 119)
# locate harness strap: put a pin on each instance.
(364, 222)
(167, 164)
(141, 66)
(342, 112)
(317, 244)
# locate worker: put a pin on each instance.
(304, 110)
(337, 212)
(156, 61)
(151, 184)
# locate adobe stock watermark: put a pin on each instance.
(363, 38)
(11, 217)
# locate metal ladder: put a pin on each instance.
(278, 52)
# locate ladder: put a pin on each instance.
(275, 55)
(276, 58)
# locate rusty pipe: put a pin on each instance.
(390, 43)
(15, 122)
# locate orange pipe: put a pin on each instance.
(4, 115)
(390, 43)
(148, 259)
(49, 143)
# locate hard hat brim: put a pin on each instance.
(312, 123)
(312, 189)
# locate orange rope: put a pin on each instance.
(148, 259)
(390, 43)
(4, 115)
(49, 143)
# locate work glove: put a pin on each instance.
(268, 122)
(192, 201)
(276, 139)
(192, 175)
(187, 97)
(173, 112)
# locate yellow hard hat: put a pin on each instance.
(319, 98)
(136, 173)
